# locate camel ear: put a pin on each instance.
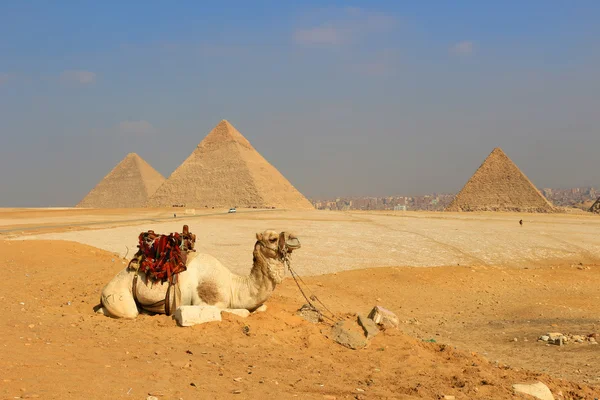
(259, 236)
(281, 240)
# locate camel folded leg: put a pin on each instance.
(117, 299)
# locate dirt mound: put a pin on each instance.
(55, 347)
(226, 171)
(499, 185)
(128, 185)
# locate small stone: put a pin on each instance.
(368, 325)
(447, 397)
(194, 315)
(237, 379)
(240, 312)
(329, 397)
(384, 317)
(262, 308)
(151, 398)
(554, 335)
(347, 338)
(237, 391)
(545, 338)
(515, 340)
(309, 313)
(537, 390)
(360, 390)
(31, 325)
(156, 394)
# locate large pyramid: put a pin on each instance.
(128, 185)
(499, 185)
(226, 171)
(595, 208)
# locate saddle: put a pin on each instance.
(161, 258)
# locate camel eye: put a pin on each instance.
(273, 240)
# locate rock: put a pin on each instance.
(151, 398)
(554, 335)
(237, 391)
(240, 312)
(346, 337)
(449, 397)
(537, 390)
(309, 313)
(384, 317)
(544, 338)
(329, 397)
(194, 315)
(262, 308)
(368, 325)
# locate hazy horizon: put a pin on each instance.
(376, 99)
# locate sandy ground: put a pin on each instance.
(512, 282)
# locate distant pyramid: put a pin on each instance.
(499, 185)
(226, 171)
(128, 185)
(595, 208)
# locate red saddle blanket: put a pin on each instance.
(161, 257)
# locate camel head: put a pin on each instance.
(275, 246)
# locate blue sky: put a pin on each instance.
(367, 98)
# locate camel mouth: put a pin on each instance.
(293, 243)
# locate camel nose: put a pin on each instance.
(292, 241)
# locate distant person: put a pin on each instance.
(174, 215)
(521, 222)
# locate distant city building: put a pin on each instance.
(571, 197)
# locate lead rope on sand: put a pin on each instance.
(287, 261)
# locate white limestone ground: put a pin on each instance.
(336, 241)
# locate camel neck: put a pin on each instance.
(260, 282)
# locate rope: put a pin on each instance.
(287, 261)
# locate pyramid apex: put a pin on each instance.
(224, 132)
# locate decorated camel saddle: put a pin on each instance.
(161, 258)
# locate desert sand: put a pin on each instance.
(464, 285)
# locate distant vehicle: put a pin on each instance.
(231, 210)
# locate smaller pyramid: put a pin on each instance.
(595, 208)
(128, 185)
(499, 185)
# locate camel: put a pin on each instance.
(205, 282)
